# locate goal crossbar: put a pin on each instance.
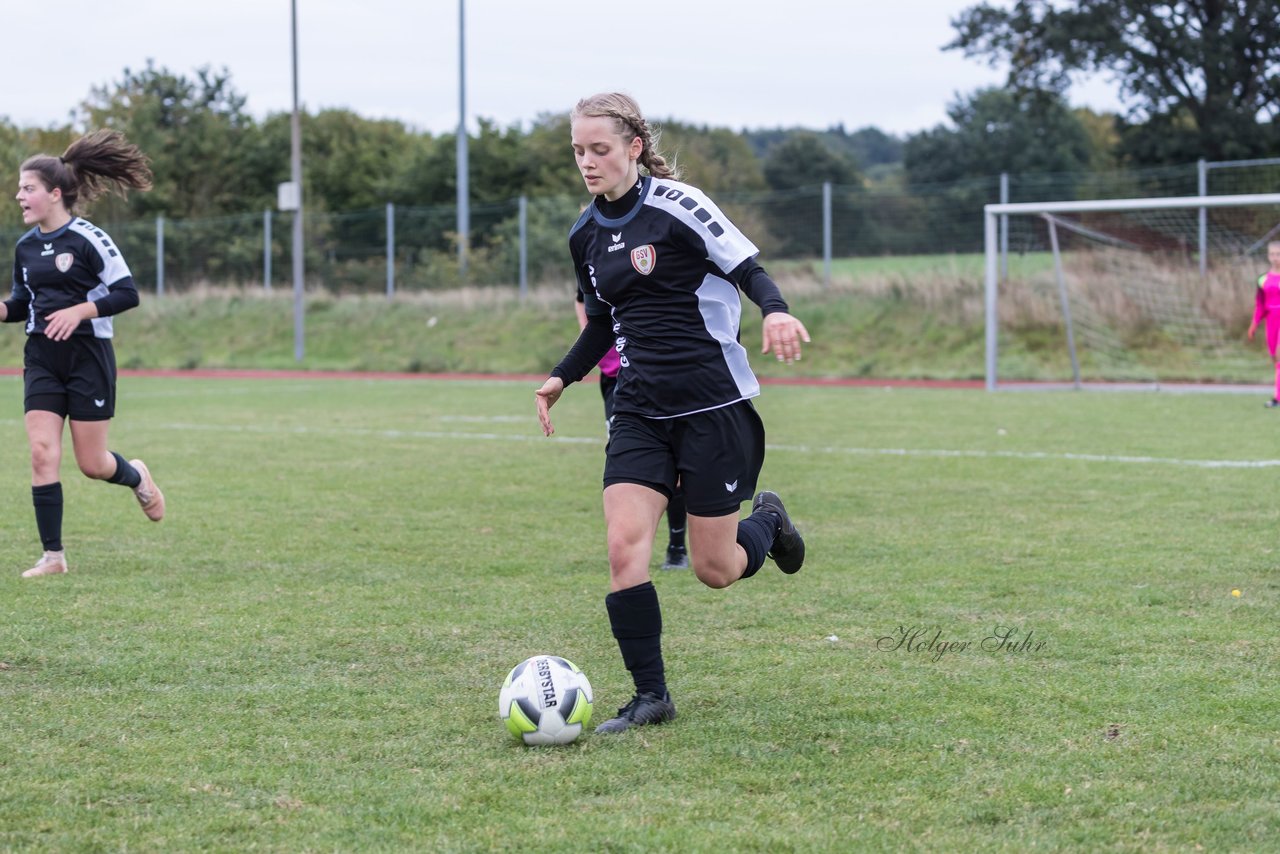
(992, 214)
(1091, 205)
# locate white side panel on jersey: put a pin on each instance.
(113, 266)
(721, 309)
(726, 246)
(102, 326)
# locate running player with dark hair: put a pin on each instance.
(69, 280)
(660, 268)
(1267, 311)
(677, 556)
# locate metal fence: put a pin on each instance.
(522, 242)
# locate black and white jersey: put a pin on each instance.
(667, 271)
(76, 263)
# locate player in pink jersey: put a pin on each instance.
(1267, 305)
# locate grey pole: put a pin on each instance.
(266, 250)
(160, 255)
(1202, 170)
(826, 234)
(524, 248)
(299, 348)
(989, 240)
(391, 250)
(1004, 228)
(464, 212)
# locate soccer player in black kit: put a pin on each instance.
(660, 268)
(69, 280)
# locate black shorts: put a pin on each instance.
(75, 378)
(716, 456)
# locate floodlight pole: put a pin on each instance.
(296, 174)
(464, 212)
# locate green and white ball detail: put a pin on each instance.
(545, 699)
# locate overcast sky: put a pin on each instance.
(727, 63)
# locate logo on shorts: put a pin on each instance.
(730, 487)
(63, 262)
(99, 403)
(643, 258)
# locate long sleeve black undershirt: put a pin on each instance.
(118, 298)
(594, 341)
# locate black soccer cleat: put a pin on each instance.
(788, 546)
(677, 558)
(644, 709)
(1272, 403)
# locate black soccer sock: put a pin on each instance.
(48, 503)
(126, 475)
(677, 519)
(756, 534)
(636, 620)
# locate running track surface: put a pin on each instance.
(236, 374)
(537, 379)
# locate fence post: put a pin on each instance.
(1004, 228)
(391, 250)
(1202, 170)
(160, 255)
(826, 234)
(266, 250)
(524, 248)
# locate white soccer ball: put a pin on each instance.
(545, 699)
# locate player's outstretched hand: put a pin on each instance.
(546, 398)
(1253, 327)
(783, 334)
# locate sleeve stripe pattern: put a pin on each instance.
(726, 246)
(114, 267)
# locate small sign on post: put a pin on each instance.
(287, 196)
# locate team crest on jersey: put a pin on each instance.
(643, 258)
(63, 261)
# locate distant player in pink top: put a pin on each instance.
(1268, 306)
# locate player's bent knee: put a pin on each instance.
(713, 576)
(96, 471)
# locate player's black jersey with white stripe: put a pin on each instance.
(662, 270)
(74, 264)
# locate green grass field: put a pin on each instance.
(306, 654)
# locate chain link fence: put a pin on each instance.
(522, 242)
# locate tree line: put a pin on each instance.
(1202, 80)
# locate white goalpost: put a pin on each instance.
(1154, 290)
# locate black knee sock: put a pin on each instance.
(677, 519)
(755, 535)
(48, 503)
(636, 620)
(126, 475)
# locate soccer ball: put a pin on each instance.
(545, 700)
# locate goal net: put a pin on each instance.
(1152, 291)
